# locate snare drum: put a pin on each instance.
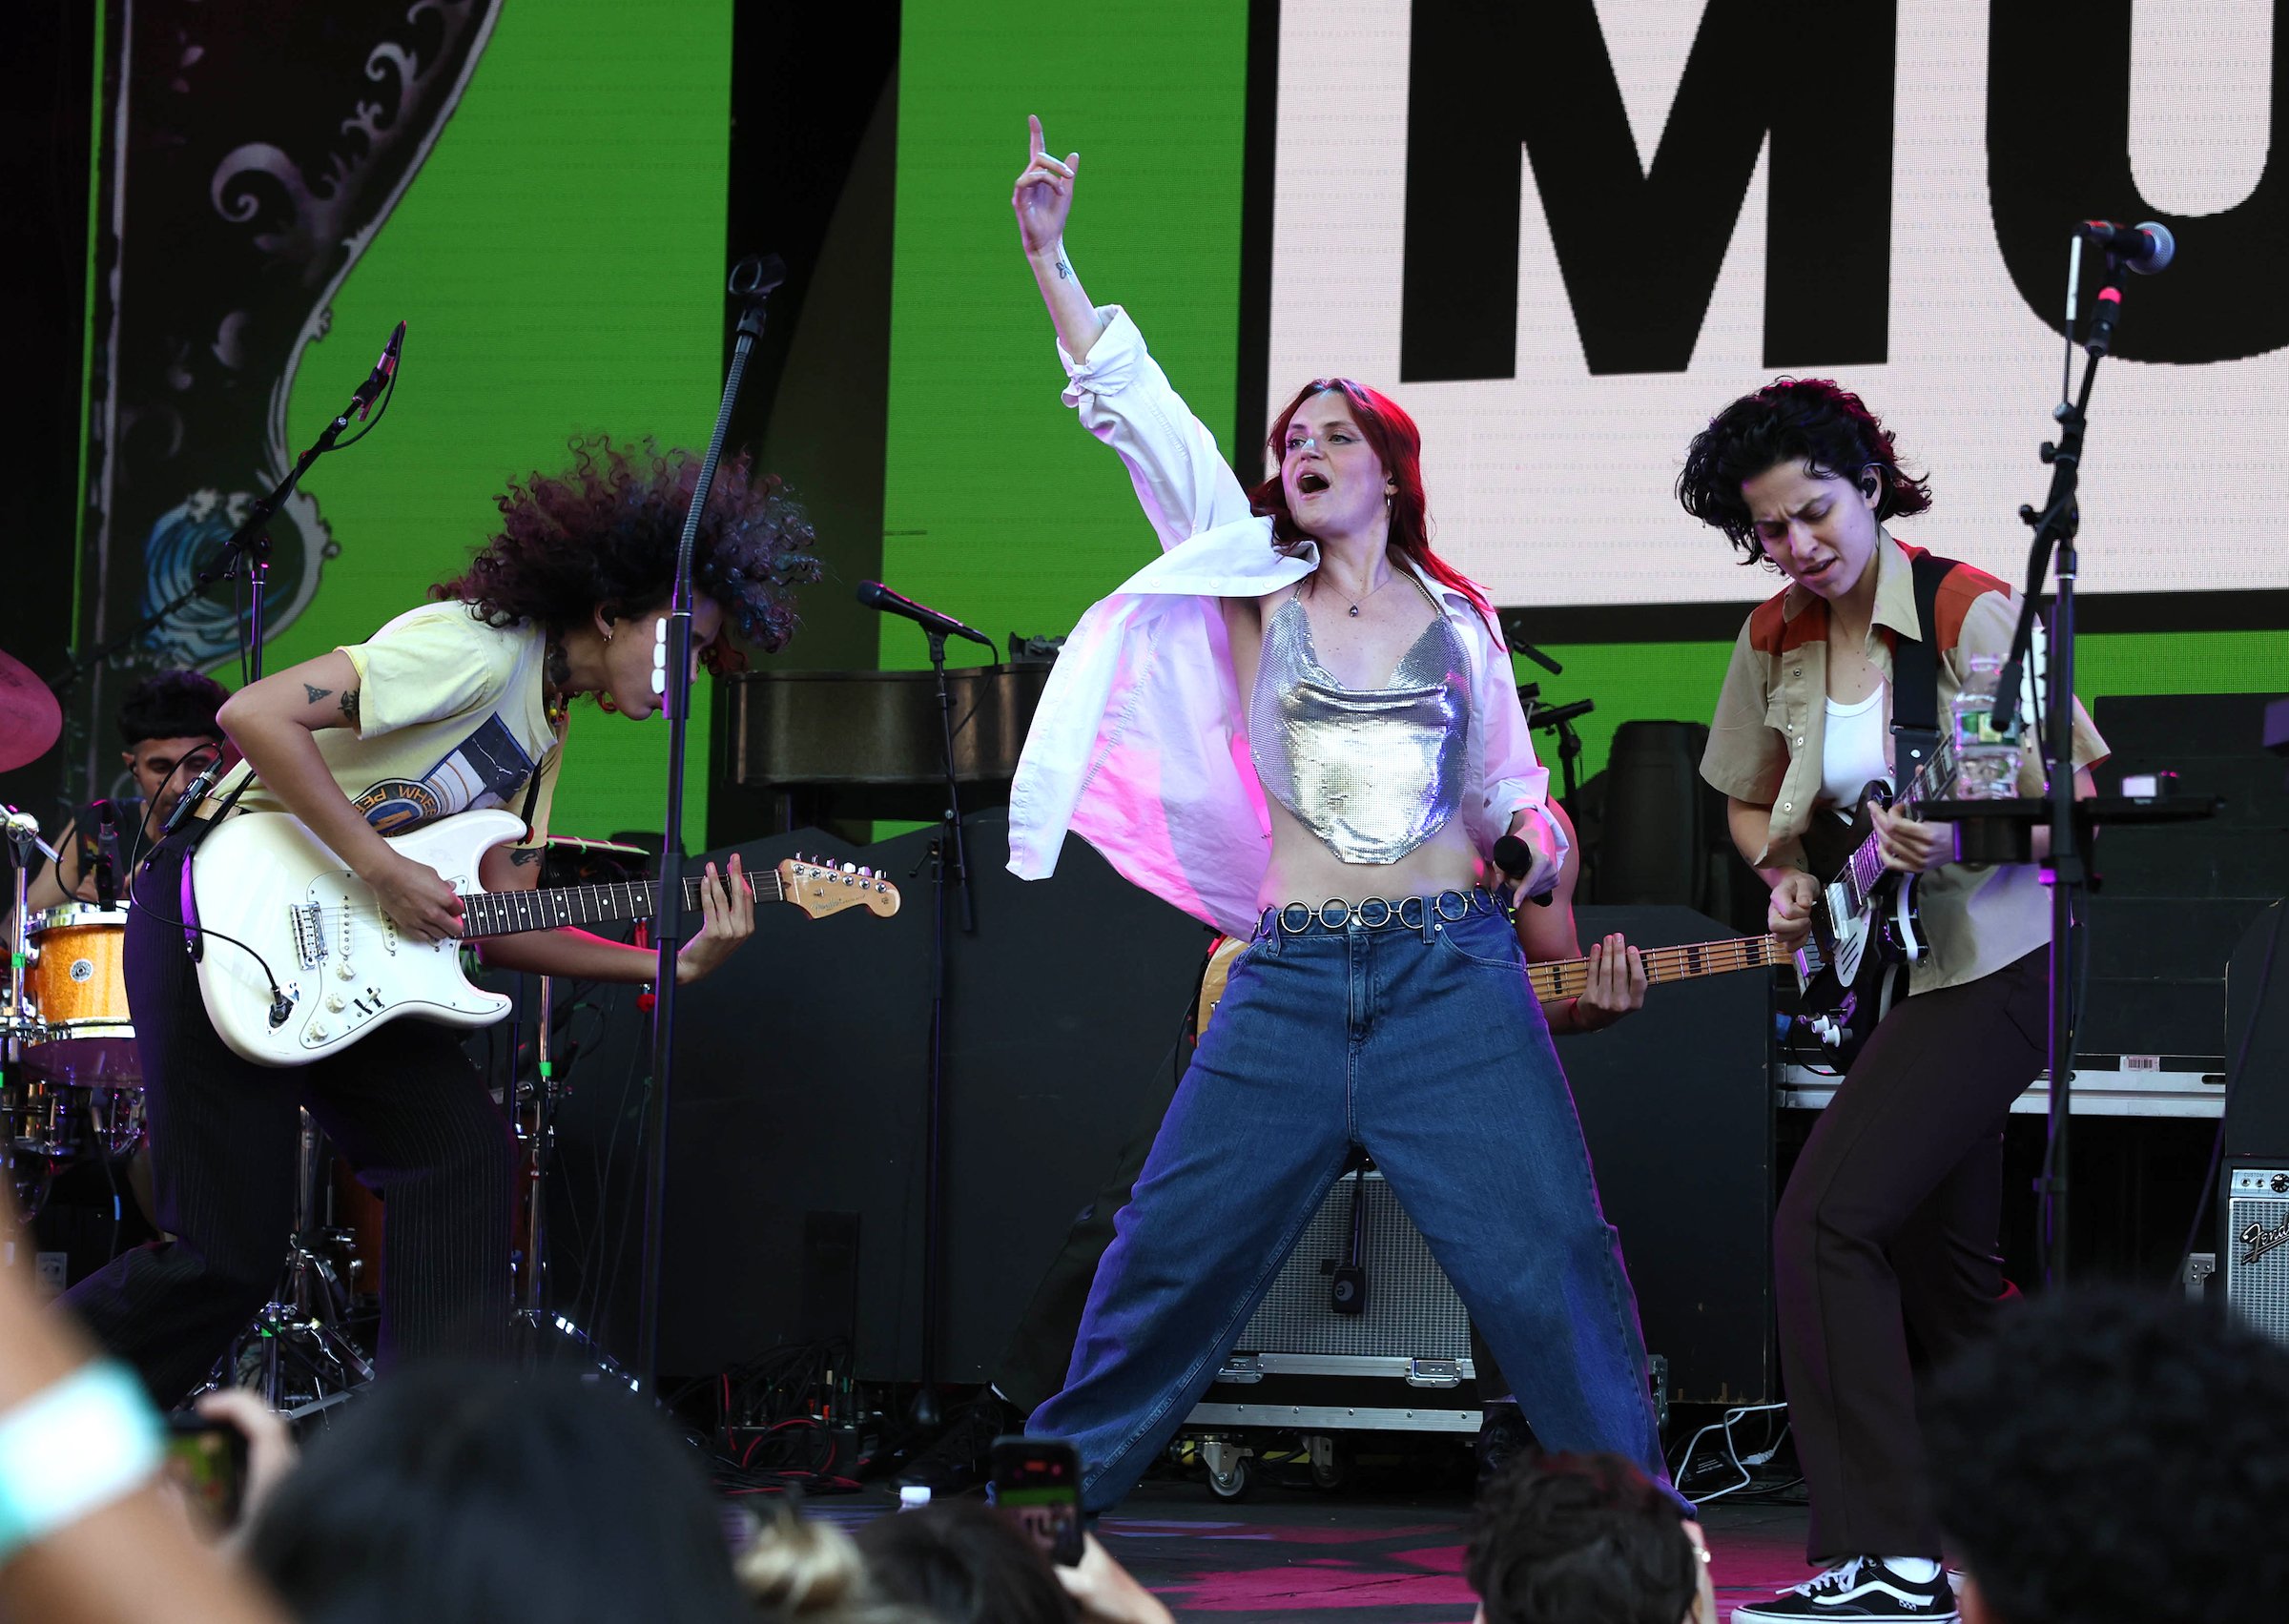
(77, 981)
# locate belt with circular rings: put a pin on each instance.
(1376, 913)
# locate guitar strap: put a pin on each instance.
(1915, 676)
(532, 796)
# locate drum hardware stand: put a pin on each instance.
(16, 1029)
(540, 1143)
(536, 1323)
(305, 1312)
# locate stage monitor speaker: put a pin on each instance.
(1411, 1310)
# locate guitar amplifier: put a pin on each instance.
(1399, 1362)
(2257, 1246)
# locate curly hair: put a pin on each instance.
(1580, 1537)
(1398, 445)
(172, 704)
(1812, 421)
(604, 536)
(2109, 1456)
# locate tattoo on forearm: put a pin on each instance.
(349, 706)
(314, 692)
(1064, 273)
(525, 856)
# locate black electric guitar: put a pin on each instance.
(1867, 930)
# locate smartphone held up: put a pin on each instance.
(1037, 1483)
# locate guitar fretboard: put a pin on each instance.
(504, 913)
(1865, 868)
(1567, 978)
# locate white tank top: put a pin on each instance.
(1853, 751)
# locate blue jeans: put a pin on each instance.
(1427, 1048)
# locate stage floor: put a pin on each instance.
(1303, 1557)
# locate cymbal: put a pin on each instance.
(30, 720)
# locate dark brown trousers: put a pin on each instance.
(1888, 1231)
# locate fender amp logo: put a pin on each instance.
(2261, 1240)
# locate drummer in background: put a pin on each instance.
(168, 724)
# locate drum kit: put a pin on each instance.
(72, 1090)
(73, 1084)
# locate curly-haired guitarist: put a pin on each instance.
(453, 707)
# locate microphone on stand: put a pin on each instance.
(2146, 248)
(109, 863)
(876, 596)
(385, 369)
(194, 792)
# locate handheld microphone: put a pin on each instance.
(109, 863)
(876, 596)
(385, 369)
(2145, 248)
(1516, 859)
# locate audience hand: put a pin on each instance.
(1108, 1592)
(271, 1452)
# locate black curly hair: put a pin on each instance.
(172, 704)
(605, 535)
(1812, 421)
(1580, 1537)
(2114, 1456)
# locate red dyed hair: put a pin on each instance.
(1399, 444)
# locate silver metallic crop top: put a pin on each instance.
(1374, 772)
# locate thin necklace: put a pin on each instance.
(1371, 592)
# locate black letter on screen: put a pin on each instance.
(1639, 250)
(2058, 151)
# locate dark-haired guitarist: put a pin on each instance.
(1889, 1220)
(453, 707)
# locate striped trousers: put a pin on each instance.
(405, 1106)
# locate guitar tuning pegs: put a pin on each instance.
(850, 868)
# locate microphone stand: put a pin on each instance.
(752, 282)
(1560, 719)
(2055, 527)
(250, 544)
(951, 846)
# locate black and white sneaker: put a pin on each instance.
(1865, 1590)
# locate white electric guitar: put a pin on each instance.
(316, 964)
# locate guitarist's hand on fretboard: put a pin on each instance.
(1789, 916)
(1909, 847)
(1617, 984)
(727, 903)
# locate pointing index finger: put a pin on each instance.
(1033, 133)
